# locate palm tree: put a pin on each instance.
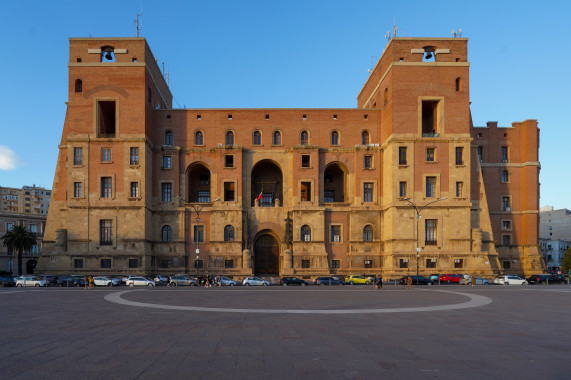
(19, 239)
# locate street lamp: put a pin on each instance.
(197, 207)
(418, 216)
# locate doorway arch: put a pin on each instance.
(266, 255)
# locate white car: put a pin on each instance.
(161, 280)
(510, 279)
(255, 281)
(103, 281)
(30, 281)
(139, 281)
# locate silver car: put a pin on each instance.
(30, 281)
(255, 281)
(139, 281)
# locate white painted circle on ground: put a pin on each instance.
(474, 301)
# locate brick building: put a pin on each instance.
(289, 191)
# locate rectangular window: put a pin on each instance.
(506, 225)
(335, 236)
(33, 228)
(505, 154)
(402, 155)
(458, 263)
(77, 190)
(429, 118)
(229, 192)
(34, 250)
(78, 263)
(105, 263)
(228, 263)
(229, 161)
(105, 155)
(403, 263)
(167, 162)
(430, 187)
(459, 189)
(505, 178)
(106, 119)
(481, 153)
(77, 156)
(459, 155)
(198, 264)
(305, 161)
(430, 232)
(506, 240)
(402, 189)
(134, 189)
(506, 204)
(134, 156)
(367, 192)
(165, 263)
(368, 162)
(368, 263)
(198, 234)
(166, 192)
(133, 263)
(306, 191)
(335, 264)
(506, 264)
(305, 264)
(430, 154)
(105, 187)
(328, 196)
(431, 263)
(204, 196)
(105, 232)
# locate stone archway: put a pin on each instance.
(266, 255)
(30, 266)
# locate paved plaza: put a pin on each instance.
(442, 332)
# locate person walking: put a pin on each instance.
(379, 282)
(91, 283)
(473, 280)
(86, 281)
(409, 282)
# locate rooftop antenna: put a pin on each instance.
(138, 23)
(395, 28)
(457, 34)
(370, 70)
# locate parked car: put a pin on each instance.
(287, 281)
(102, 281)
(225, 281)
(434, 277)
(479, 281)
(329, 281)
(7, 281)
(160, 279)
(509, 279)
(180, 280)
(354, 280)
(416, 280)
(554, 270)
(30, 281)
(255, 281)
(450, 278)
(62, 281)
(139, 281)
(547, 279)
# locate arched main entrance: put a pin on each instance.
(266, 255)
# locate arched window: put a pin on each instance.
(229, 138)
(228, 233)
(198, 138)
(367, 233)
(305, 233)
(364, 138)
(257, 138)
(334, 138)
(277, 138)
(78, 85)
(304, 138)
(505, 176)
(166, 233)
(168, 138)
(458, 84)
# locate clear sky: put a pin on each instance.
(284, 54)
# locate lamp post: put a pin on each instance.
(197, 207)
(418, 216)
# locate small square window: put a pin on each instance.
(305, 160)
(78, 263)
(368, 162)
(335, 264)
(229, 116)
(403, 263)
(229, 161)
(305, 263)
(506, 225)
(368, 263)
(198, 117)
(105, 263)
(365, 116)
(106, 155)
(198, 264)
(458, 263)
(431, 263)
(228, 263)
(267, 116)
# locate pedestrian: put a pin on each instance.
(379, 282)
(91, 283)
(85, 281)
(466, 279)
(473, 279)
(409, 282)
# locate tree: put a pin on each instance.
(566, 261)
(20, 240)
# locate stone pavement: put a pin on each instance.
(441, 332)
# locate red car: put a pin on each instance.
(450, 278)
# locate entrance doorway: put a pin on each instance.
(266, 255)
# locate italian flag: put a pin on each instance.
(259, 196)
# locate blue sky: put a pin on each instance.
(257, 54)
